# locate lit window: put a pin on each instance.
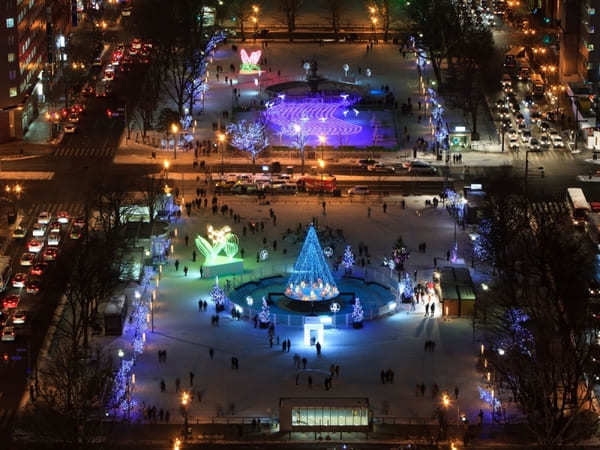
(592, 11)
(11, 57)
(10, 22)
(12, 92)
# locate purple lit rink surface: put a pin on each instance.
(366, 129)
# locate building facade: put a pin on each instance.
(23, 55)
(579, 22)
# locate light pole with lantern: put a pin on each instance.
(185, 400)
(322, 167)
(174, 130)
(221, 138)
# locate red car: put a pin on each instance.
(38, 269)
(11, 301)
(50, 253)
(33, 287)
(54, 227)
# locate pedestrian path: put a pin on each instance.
(545, 155)
(84, 152)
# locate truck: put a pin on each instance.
(5, 272)
(317, 183)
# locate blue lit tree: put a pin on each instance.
(358, 314)
(348, 259)
(250, 137)
(264, 316)
(311, 279)
(400, 254)
(218, 296)
(407, 290)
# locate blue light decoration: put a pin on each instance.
(317, 115)
(348, 259)
(265, 314)
(358, 314)
(311, 278)
(405, 286)
(487, 397)
(217, 294)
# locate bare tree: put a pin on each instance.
(153, 189)
(290, 9)
(70, 401)
(335, 10)
(249, 136)
(536, 319)
(242, 10)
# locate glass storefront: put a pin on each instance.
(324, 416)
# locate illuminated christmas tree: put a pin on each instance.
(265, 314)
(357, 312)
(218, 296)
(311, 279)
(348, 259)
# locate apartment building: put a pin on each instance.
(23, 52)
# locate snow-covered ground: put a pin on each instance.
(265, 374)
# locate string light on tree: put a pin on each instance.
(348, 259)
(358, 314)
(265, 314)
(249, 136)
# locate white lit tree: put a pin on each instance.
(249, 136)
(357, 312)
(348, 259)
(265, 314)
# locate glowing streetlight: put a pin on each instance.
(177, 444)
(185, 400)
(221, 138)
(445, 400)
(255, 9)
(174, 130)
(321, 164)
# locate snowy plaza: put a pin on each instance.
(266, 373)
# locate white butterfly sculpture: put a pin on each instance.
(250, 62)
(252, 59)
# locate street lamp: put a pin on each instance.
(322, 140)
(374, 24)
(322, 166)
(174, 130)
(221, 138)
(185, 400)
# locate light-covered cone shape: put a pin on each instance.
(311, 279)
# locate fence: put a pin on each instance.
(383, 277)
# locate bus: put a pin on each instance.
(537, 84)
(579, 206)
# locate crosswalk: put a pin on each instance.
(545, 155)
(74, 209)
(552, 208)
(85, 152)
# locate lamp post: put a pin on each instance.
(185, 400)
(221, 139)
(254, 18)
(322, 166)
(174, 130)
(374, 24)
(322, 140)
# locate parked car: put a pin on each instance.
(358, 190)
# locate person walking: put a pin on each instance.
(369, 211)
(289, 345)
(456, 392)
(432, 309)
(187, 240)
(384, 208)
(427, 310)
(163, 386)
(194, 256)
(382, 376)
(201, 271)
(318, 347)
(304, 361)
(211, 353)
(185, 271)
(177, 384)
(176, 265)
(191, 379)
(283, 345)
(310, 382)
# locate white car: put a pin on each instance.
(35, 246)
(534, 144)
(19, 318)
(54, 239)
(525, 136)
(39, 230)
(358, 190)
(8, 334)
(557, 141)
(44, 217)
(63, 217)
